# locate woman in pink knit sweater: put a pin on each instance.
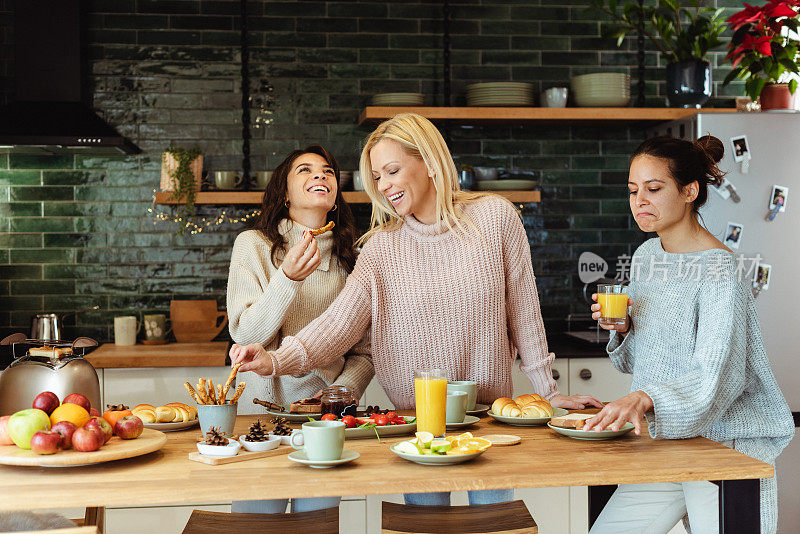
(444, 278)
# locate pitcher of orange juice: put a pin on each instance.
(430, 393)
(613, 300)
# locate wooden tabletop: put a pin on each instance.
(544, 458)
(210, 354)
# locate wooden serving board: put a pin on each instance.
(241, 457)
(115, 449)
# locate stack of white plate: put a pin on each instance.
(606, 89)
(398, 99)
(500, 94)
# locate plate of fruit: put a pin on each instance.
(426, 450)
(376, 425)
(59, 434)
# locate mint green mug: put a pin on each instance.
(322, 440)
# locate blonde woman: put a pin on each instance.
(444, 278)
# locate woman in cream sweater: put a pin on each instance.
(282, 277)
(445, 279)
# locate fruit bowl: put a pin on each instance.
(436, 459)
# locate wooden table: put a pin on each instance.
(210, 354)
(543, 459)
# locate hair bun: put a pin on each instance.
(712, 146)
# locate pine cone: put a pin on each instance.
(215, 437)
(257, 432)
(281, 427)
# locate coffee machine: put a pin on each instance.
(28, 375)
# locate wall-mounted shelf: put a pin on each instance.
(353, 197)
(372, 114)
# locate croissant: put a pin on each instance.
(505, 407)
(165, 414)
(537, 409)
(146, 415)
(526, 399)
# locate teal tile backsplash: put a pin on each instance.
(75, 231)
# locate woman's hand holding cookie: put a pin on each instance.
(253, 357)
(302, 259)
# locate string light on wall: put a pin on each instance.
(196, 225)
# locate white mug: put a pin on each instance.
(555, 97)
(125, 330)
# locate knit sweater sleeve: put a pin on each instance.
(687, 406)
(333, 333)
(358, 368)
(256, 311)
(525, 324)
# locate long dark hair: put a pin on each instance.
(688, 161)
(274, 210)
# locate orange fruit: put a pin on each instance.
(73, 413)
(461, 450)
(474, 443)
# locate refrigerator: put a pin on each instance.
(762, 161)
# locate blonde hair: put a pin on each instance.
(419, 138)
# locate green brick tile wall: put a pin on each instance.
(76, 231)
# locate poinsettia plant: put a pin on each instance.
(764, 46)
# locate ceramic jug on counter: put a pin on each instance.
(196, 321)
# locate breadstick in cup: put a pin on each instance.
(212, 394)
(238, 392)
(231, 378)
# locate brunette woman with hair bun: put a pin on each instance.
(692, 342)
(282, 277)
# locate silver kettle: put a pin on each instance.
(49, 326)
(27, 376)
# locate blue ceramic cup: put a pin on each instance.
(220, 416)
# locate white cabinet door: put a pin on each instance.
(597, 377)
(375, 395)
(155, 385)
(353, 516)
(522, 383)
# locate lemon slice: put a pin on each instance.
(474, 443)
(424, 439)
(461, 450)
(440, 446)
(406, 447)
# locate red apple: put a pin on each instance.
(87, 439)
(45, 442)
(65, 429)
(95, 413)
(129, 427)
(103, 425)
(5, 439)
(80, 400)
(47, 401)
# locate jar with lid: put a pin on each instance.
(338, 400)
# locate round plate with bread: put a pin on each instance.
(525, 410)
(167, 418)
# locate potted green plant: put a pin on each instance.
(683, 35)
(182, 173)
(764, 52)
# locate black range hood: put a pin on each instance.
(51, 112)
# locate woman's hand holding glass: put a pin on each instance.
(302, 259)
(621, 328)
(253, 357)
(630, 408)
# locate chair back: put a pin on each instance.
(506, 517)
(318, 521)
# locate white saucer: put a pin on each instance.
(479, 408)
(301, 458)
(468, 420)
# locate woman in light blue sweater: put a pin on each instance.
(692, 342)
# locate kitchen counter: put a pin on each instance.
(211, 354)
(543, 459)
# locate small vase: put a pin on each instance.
(168, 167)
(688, 83)
(776, 97)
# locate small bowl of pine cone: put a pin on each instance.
(525, 410)
(258, 438)
(217, 443)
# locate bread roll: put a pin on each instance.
(191, 409)
(147, 416)
(143, 407)
(537, 409)
(524, 400)
(505, 407)
(165, 414)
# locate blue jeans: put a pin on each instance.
(278, 506)
(476, 497)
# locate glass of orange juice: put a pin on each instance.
(430, 393)
(613, 300)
